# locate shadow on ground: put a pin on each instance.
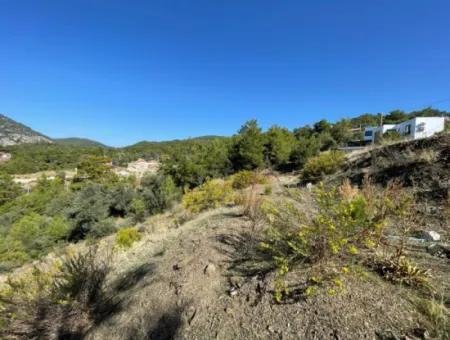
(246, 258)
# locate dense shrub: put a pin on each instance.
(158, 192)
(31, 237)
(127, 236)
(212, 194)
(8, 189)
(246, 178)
(325, 163)
(90, 207)
(121, 197)
(138, 210)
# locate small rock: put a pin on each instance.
(176, 267)
(209, 269)
(233, 291)
(271, 329)
(431, 236)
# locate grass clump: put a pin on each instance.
(57, 300)
(400, 270)
(214, 193)
(437, 314)
(325, 163)
(127, 236)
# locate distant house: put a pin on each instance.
(419, 127)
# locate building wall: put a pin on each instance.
(420, 127)
(432, 126)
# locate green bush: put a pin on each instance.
(31, 237)
(347, 221)
(90, 206)
(246, 178)
(9, 190)
(325, 163)
(138, 210)
(127, 236)
(158, 192)
(212, 194)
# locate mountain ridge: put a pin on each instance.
(14, 133)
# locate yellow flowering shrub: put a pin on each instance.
(212, 194)
(127, 236)
(246, 178)
(347, 221)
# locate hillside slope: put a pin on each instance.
(206, 276)
(78, 142)
(192, 283)
(422, 165)
(13, 133)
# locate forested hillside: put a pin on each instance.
(278, 147)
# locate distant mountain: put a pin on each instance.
(13, 133)
(81, 142)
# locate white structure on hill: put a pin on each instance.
(419, 127)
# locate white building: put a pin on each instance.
(419, 127)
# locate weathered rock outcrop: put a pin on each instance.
(13, 133)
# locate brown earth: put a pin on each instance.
(199, 281)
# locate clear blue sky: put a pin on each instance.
(125, 71)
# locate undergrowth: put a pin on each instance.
(349, 224)
(58, 300)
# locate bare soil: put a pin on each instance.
(200, 281)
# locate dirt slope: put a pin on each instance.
(193, 282)
(422, 165)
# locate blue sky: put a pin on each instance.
(125, 71)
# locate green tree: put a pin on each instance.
(305, 149)
(89, 210)
(9, 190)
(158, 192)
(342, 131)
(394, 117)
(322, 126)
(248, 147)
(279, 145)
(93, 168)
(303, 132)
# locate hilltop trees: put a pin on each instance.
(248, 147)
(191, 164)
(280, 143)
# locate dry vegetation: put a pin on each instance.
(240, 261)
